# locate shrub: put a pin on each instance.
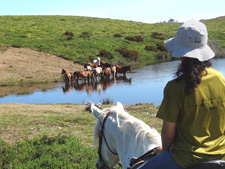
(6, 153)
(47, 152)
(151, 48)
(85, 35)
(106, 54)
(161, 47)
(16, 45)
(130, 54)
(138, 38)
(154, 34)
(40, 48)
(157, 35)
(69, 35)
(118, 35)
(91, 58)
(162, 55)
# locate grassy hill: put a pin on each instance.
(82, 39)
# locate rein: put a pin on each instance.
(101, 137)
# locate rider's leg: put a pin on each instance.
(161, 161)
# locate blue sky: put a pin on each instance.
(148, 11)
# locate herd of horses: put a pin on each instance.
(95, 69)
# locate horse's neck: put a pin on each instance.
(130, 143)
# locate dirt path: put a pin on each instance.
(20, 65)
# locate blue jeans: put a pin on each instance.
(161, 161)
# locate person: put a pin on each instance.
(193, 106)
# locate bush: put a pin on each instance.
(130, 54)
(91, 58)
(154, 34)
(5, 153)
(106, 54)
(47, 152)
(162, 55)
(138, 38)
(157, 35)
(151, 48)
(85, 35)
(69, 35)
(16, 45)
(161, 47)
(118, 35)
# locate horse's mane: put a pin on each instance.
(129, 123)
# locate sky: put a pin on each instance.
(147, 11)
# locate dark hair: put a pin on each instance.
(191, 70)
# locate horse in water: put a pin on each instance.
(68, 76)
(122, 69)
(120, 136)
(84, 74)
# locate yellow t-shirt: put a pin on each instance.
(199, 118)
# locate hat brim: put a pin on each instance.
(202, 54)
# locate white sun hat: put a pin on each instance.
(190, 41)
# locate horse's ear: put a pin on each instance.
(119, 106)
(96, 111)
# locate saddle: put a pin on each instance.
(137, 162)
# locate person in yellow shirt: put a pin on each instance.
(193, 107)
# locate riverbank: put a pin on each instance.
(21, 66)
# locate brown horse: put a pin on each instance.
(107, 72)
(104, 64)
(67, 75)
(122, 69)
(89, 64)
(84, 74)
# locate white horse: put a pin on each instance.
(97, 62)
(122, 136)
(98, 70)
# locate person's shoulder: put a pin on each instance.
(176, 81)
(175, 84)
(211, 70)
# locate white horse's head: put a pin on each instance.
(120, 136)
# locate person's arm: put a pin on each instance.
(168, 135)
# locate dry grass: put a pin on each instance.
(24, 66)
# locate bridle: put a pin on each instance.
(101, 137)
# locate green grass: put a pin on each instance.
(47, 152)
(46, 33)
(54, 136)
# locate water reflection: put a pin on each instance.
(142, 85)
(98, 85)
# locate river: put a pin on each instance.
(143, 85)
